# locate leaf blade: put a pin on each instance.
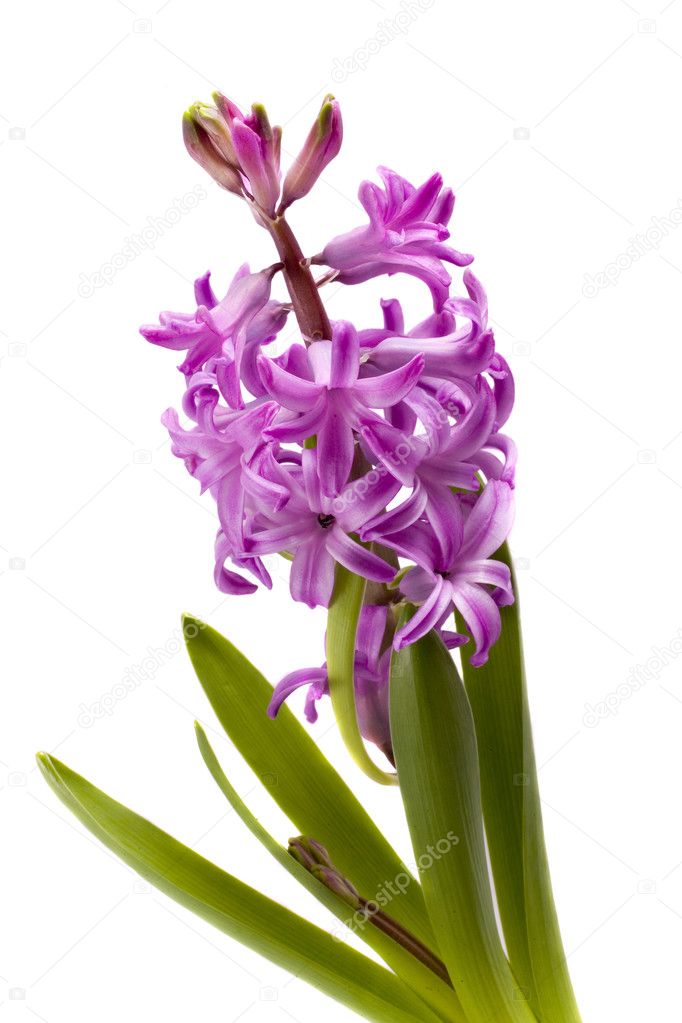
(297, 775)
(513, 817)
(233, 907)
(422, 980)
(435, 747)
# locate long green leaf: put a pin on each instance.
(234, 908)
(435, 747)
(299, 778)
(423, 981)
(342, 623)
(513, 819)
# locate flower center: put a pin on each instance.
(325, 520)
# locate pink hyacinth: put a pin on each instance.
(378, 449)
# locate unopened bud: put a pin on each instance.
(338, 884)
(309, 852)
(314, 857)
(240, 151)
(320, 148)
(201, 147)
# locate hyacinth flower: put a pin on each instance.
(371, 673)
(334, 404)
(406, 233)
(373, 643)
(318, 536)
(463, 576)
(371, 460)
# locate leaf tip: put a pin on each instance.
(191, 626)
(48, 768)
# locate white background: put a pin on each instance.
(558, 126)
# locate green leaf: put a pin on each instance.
(513, 820)
(342, 623)
(234, 908)
(435, 748)
(423, 981)
(298, 777)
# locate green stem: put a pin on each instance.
(342, 623)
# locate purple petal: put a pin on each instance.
(314, 677)
(363, 498)
(490, 573)
(312, 573)
(311, 480)
(370, 634)
(298, 428)
(231, 582)
(345, 355)
(428, 616)
(417, 543)
(417, 584)
(248, 149)
(452, 640)
(444, 513)
(203, 292)
(355, 558)
(287, 536)
(230, 499)
(491, 466)
(393, 315)
(481, 614)
(293, 392)
(395, 449)
(489, 522)
(503, 383)
(335, 448)
(397, 519)
(390, 388)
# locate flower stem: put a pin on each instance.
(308, 308)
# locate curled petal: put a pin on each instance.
(363, 498)
(428, 616)
(231, 582)
(489, 522)
(298, 428)
(316, 678)
(390, 388)
(396, 519)
(482, 616)
(203, 292)
(293, 392)
(489, 573)
(356, 559)
(370, 633)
